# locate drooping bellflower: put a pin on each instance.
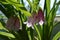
(35, 18)
(31, 20)
(13, 23)
(40, 17)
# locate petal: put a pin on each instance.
(25, 22)
(41, 22)
(32, 27)
(29, 24)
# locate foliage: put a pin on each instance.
(33, 15)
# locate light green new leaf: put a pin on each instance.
(4, 2)
(18, 1)
(14, 0)
(56, 36)
(14, 3)
(18, 5)
(7, 34)
(26, 13)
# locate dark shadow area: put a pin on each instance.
(55, 30)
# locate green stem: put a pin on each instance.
(28, 32)
(41, 32)
(29, 35)
(37, 32)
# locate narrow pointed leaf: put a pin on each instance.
(26, 13)
(7, 34)
(48, 6)
(56, 36)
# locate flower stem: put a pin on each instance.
(29, 35)
(37, 32)
(28, 32)
(41, 32)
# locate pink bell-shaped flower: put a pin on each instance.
(40, 17)
(31, 20)
(35, 18)
(13, 23)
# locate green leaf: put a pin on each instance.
(14, 3)
(7, 34)
(30, 3)
(14, 0)
(26, 13)
(3, 0)
(7, 10)
(18, 1)
(47, 6)
(1, 26)
(52, 16)
(56, 36)
(47, 3)
(29, 35)
(58, 3)
(38, 32)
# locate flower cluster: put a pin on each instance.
(35, 18)
(13, 23)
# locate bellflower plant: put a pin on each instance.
(35, 18)
(13, 23)
(28, 22)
